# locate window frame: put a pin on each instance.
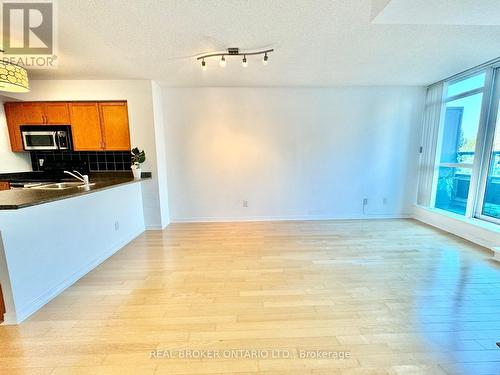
(484, 140)
(488, 143)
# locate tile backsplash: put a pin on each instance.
(86, 160)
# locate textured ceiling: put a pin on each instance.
(317, 42)
(441, 12)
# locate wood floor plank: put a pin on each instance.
(379, 296)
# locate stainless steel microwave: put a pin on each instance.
(45, 139)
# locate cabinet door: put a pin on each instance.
(57, 113)
(114, 122)
(86, 127)
(33, 113)
(4, 185)
(14, 116)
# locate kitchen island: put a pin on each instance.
(50, 239)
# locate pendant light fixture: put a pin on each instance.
(233, 52)
(13, 78)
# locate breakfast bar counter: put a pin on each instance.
(14, 199)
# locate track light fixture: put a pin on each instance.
(234, 52)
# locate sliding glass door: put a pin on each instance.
(457, 143)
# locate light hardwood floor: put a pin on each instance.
(395, 296)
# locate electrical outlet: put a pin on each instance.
(245, 203)
(117, 225)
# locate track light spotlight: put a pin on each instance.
(223, 62)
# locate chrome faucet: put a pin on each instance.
(81, 177)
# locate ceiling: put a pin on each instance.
(317, 42)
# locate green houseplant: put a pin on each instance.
(138, 157)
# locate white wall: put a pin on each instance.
(10, 161)
(291, 152)
(161, 153)
(139, 95)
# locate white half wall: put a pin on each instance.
(139, 95)
(46, 248)
(291, 153)
(10, 161)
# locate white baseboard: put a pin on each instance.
(496, 254)
(156, 227)
(481, 233)
(23, 313)
(9, 319)
(286, 218)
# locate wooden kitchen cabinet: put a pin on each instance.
(100, 126)
(14, 116)
(95, 126)
(86, 126)
(45, 113)
(4, 185)
(57, 113)
(32, 113)
(114, 125)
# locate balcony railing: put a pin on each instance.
(453, 187)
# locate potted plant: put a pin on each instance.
(138, 157)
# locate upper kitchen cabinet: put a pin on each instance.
(100, 126)
(95, 126)
(114, 125)
(57, 113)
(14, 116)
(45, 113)
(86, 126)
(32, 113)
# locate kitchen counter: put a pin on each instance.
(14, 199)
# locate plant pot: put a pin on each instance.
(137, 173)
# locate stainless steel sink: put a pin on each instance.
(61, 186)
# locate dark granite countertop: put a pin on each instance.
(14, 199)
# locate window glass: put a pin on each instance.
(461, 123)
(491, 202)
(465, 85)
(458, 144)
(453, 189)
